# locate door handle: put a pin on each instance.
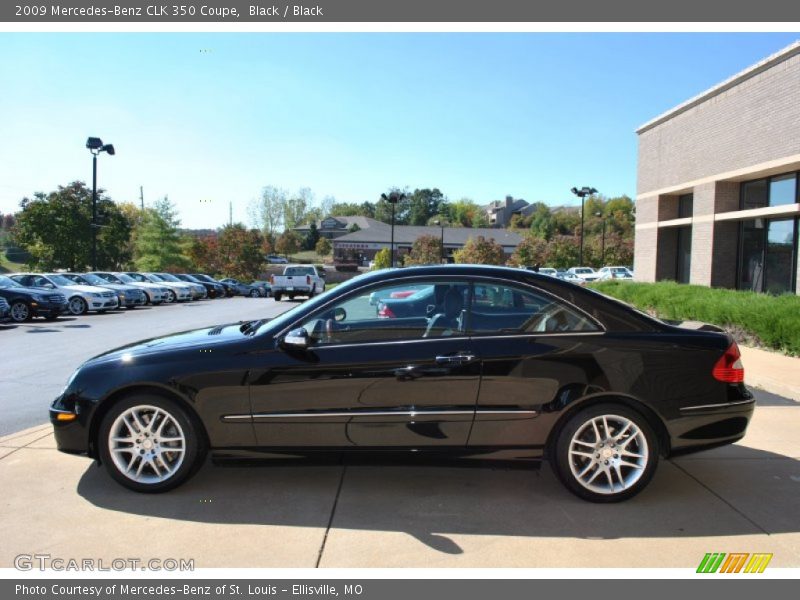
(455, 359)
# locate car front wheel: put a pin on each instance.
(150, 444)
(20, 312)
(606, 453)
(254, 294)
(78, 306)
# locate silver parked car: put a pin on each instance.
(80, 298)
(156, 294)
(242, 289)
(128, 296)
(198, 289)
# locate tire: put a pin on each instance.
(291, 296)
(278, 297)
(174, 427)
(254, 293)
(77, 306)
(596, 473)
(171, 297)
(20, 312)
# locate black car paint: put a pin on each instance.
(53, 304)
(507, 403)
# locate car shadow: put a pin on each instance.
(764, 398)
(431, 500)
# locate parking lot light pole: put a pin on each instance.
(393, 198)
(603, 244)
(582, 193)
(96, 146)
(441, 240)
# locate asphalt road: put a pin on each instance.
(37, 358)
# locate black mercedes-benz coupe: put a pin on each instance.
(503, 363)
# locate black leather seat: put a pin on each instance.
(450, 320)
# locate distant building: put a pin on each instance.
(718, 198)
(335, 227)
(500, 212)
(361, 246)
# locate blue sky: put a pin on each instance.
(215, 117)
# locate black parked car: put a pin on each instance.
(29, 302)
(214, 290)
(240, 288)
(229, 290)
(510, 364)
(5, 310)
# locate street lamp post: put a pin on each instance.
(393, 198)
(582, 193)
(96, 146)
(603, 244)
(441, 240)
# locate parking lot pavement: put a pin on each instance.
(740, 498)
(37, 357)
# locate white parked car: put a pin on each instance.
(615, 273)
(80, 298)
(585, 273)
(156, 294)
(198, 289)
(178, 291)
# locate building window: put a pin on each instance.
(768, 255)
(685, 205)
(684, 266)
(771, 191)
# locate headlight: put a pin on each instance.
(96, 295)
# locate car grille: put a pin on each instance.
(107, 294)
(57, 298)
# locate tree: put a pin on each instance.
(466, 213)
(351, 209)
(203, 252)
(426, 250)
(480, 251)
(353, 228)
(563, 251)
(424, 204)
(323, 247)
(542, 224)
(240, 252)
(295, 209)
(267, 213)
(159, 246)
(382, 260)
(288, 243)
(530, 252)
(56, 229)
(383, 208)
(312, 237)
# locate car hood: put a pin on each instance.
(29, 291)
(85, 289)
(196, 338)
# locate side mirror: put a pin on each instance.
(297, 338)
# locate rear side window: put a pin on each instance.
(499, 309)
(295, 271)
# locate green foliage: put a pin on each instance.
(351, 209)
(323, 247)
(563, 252)
(203, 252)
(353, 228)
(159, 246)
(312, 237)
(56, 230)
(240, 252)
(466, 213)
(542, 224)
(383, 259)
(424, 204)
(480, 251)
(267, 213)
(773, 320)
(426, 250)
(288, 243)
(530, 252)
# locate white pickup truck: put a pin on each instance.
(297, 281)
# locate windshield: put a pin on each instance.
(6, 282)
(168, 277)
(583, 271)
(60, 280)
(125, 278)
(92, 279)
(154, 277)
(203, 277)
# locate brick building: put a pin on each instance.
(717, 192)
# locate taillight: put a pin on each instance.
(385, 312)
(308, 279)
(729, 367)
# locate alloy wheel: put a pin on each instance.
(20, 312)
(608, 454)
(77, 306)
(147, 444)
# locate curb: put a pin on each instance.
(772, 372)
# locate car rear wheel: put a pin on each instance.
(20, 312)
(171, 297)
(78, 306)
(278, 297)
(606, 453)
(150, 444)
(254, 293)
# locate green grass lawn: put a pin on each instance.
(6, 266)
(761, 319)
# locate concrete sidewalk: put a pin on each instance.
(740, 498)
(776, 373)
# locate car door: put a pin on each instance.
(533, 348)
(369, 382)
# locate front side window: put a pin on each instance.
(505, 309)
(393, 311)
